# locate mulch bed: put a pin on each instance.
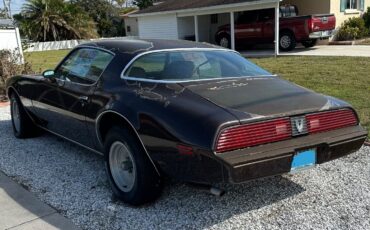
(3, 101)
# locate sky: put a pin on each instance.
(16, 6)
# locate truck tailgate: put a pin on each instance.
(322, 22)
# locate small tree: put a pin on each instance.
(142, 4)
(10, 66)
(367, 18)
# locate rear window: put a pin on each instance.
(193, 65)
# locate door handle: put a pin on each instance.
(83, 99)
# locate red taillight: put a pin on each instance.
(311, 25)
(326, 121)
(253, 134)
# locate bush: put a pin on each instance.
(9, 66)
(366, 18)
(353, 28)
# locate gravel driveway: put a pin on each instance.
(335, 195)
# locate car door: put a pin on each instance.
(267, 20)
(79, 72)
(247, 28)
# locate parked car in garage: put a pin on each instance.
(179, 109)
(258, 27)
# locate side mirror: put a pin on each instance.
(48, 74)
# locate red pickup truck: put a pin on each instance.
(256, 27)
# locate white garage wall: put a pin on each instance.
(186, 27)
(160, 27)
(10, 40)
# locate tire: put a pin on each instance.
(224, 41)
(309, 43)
(135, 181)
(23, 126)
(287, 41)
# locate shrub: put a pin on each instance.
(10, 66)
(366, 18)
(353, 28)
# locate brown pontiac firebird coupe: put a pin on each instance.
(190, 111)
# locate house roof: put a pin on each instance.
(177, 5)
(6, 23)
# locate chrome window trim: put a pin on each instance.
(128, 66)
(97, 121)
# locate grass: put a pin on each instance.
(45, 60)
(346, 78)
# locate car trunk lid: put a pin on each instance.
(258, 97)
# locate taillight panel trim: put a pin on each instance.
(241, 133)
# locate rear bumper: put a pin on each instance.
(321, 34)
(276, 158)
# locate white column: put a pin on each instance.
(277, 28)
(232, 30)
(196, 28)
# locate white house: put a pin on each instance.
(174, 19)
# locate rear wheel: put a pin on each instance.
(23, 126)
(131, 174)
(309, 43)
(287, 41)
(224, 41)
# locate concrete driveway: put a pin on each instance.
(325, 50)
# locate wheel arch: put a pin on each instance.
(108, 119)
(10, 90)
(287, 30)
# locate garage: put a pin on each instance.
(211, 21)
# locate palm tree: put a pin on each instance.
(53, 20)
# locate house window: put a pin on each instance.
(128, 29)
(352, 5)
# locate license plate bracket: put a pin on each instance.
(304, 159)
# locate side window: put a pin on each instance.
(84, 66)
(148, 66)
(247, 17)
(266, 15)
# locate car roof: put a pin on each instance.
(137, 46)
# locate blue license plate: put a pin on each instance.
(304, 159)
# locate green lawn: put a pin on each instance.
(346, 78)
(45, 60)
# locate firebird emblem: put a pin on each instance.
(299, 124)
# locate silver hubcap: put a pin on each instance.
(16, 116)
(122, 166)
(224, 42)
(285, 41)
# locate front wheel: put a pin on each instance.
(23, 126)
(309, 43)
(287, 41)
(131, 174)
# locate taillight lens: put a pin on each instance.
(311, 24)
(326, 121)
(253, 134)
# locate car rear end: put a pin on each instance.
(321, 26)
(287, 144)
